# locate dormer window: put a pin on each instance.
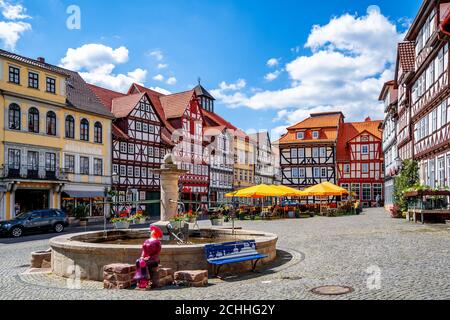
(315, 134)
(300, 135)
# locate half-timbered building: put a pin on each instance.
(391, 159)
(184, 120)
(360, 160)
(430, 92)
(138, 147)
(265, 162)
(308, 150)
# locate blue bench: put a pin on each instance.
(232, 252)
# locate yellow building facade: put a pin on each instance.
(245, 155)
(55, 138)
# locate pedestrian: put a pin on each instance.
(378, 200)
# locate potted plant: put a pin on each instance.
(139, 218)
(177, 221)
(121, 223)
(216, 219)
(81, 213)
(191, 217)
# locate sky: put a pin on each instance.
(269, 64)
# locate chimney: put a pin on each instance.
(368, 119)
(41, 59)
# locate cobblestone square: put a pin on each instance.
(413, 261)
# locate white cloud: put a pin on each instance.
(96, 64)
(272, 62)
(238, 85)
(172, 81)
(158, 77)
(160, 90)
(13, 11)
(162, 66)
(11, 31)
(157, 54)
(351, 57)
(272, 75)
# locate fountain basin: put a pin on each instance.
(84, 255)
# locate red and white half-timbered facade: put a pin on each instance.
(138, 147)
(360, 160)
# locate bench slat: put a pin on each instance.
(236, 260)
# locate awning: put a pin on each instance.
(84, 194)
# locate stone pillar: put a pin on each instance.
(169, 177)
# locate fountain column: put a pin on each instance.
(169, 177)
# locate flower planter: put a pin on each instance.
(140, 221)
(122, 225)
(177, 225)
(217, 222)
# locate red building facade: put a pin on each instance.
(360, 160)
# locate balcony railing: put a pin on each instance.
(433, 91)
(32, 173)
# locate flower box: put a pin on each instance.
(122, 225)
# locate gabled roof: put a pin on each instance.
(213, 119)
(117, 132)
(106, 96)
(122, 106)
(175, 105)
(350, 131)
(79, 96)
(385, 89)
(316, 121)
(201, 91)
(407, 56)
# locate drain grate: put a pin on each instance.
(332, 290)
(293, 278)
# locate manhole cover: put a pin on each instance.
(332, 290)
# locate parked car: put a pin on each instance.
(35, 221)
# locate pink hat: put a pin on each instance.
(158, 232)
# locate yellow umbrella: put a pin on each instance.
(260, 191)
(230, 195)
(326, 189)
(291, 192)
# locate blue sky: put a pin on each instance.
(228, 43)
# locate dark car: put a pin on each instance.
(35, 221)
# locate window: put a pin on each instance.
(33, 80)
(33, 160)
(137, 172)
(70, 127)
(346, 186)
(316, 172)
(84, 165)
(98, 167)
(294, 153)
(315, 152)
(150, 151)
(300, 135)
(33, 120)
(444, 113)
(441, 172)
(130, 171)
(151, 129)
(346, 168)
(50, 162)
(365, 149)
(84, 130)
(14, 159)
(138, 126)
(301, 153)
(51, 85)
(434, 120)
(295, 173)
(366, 192)
(302, 173)
(432, 173)
(123, 171)
(123, 147)
(323, 172)
(98, 133)
(365, 168)
(315, 134)
(356, 190)
(69, 161)
(51, 123)
(14, 75)
(130, 148)
(14, 117)
(377, 191)
(145, 127)
(323, 152)
(115, 170)
(144, 173)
